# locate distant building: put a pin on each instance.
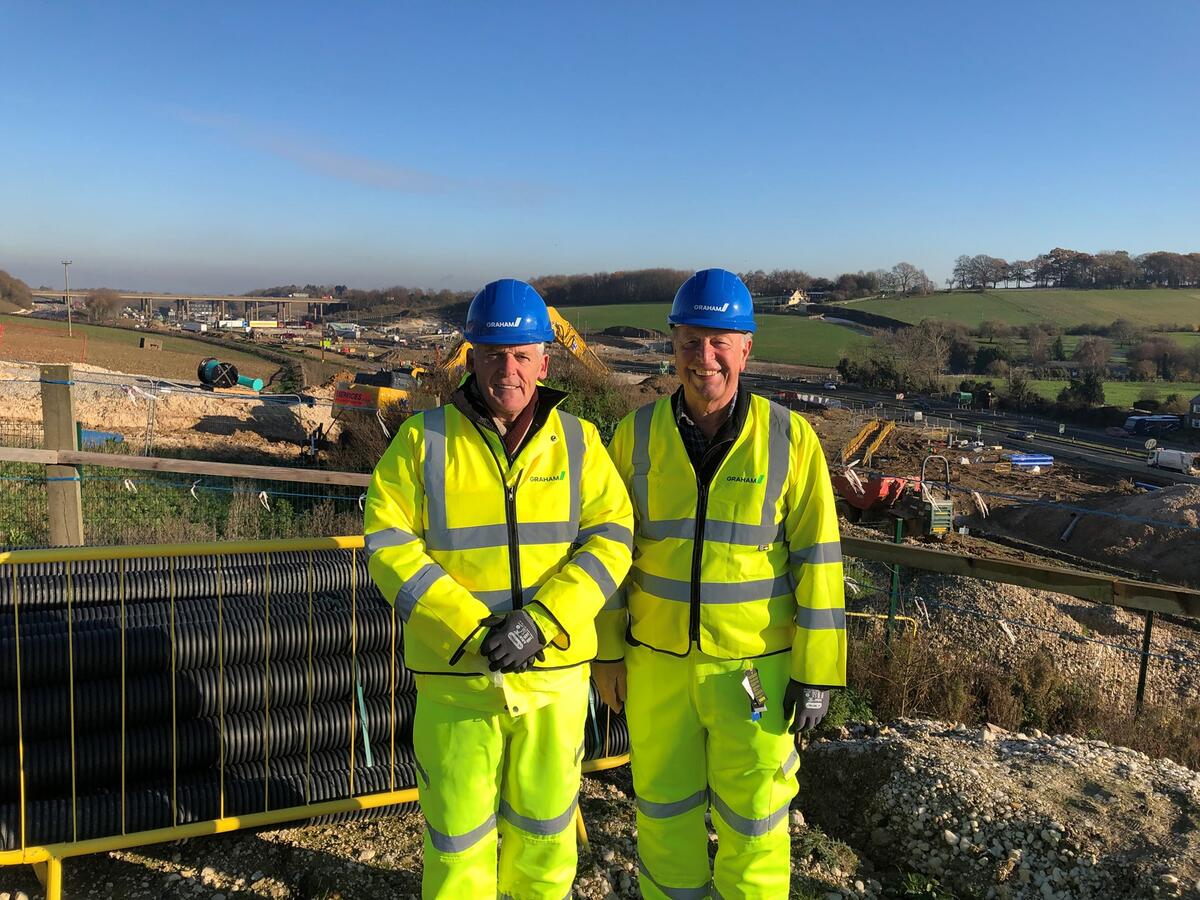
(344, 330)
(1193, 417)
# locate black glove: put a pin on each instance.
(804, 706)
(513, 642)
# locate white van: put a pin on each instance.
(1175, 460)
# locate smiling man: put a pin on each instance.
(732, 623)
(498, 526)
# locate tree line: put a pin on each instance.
(659, 285)
(398, 296)
(1076, 269)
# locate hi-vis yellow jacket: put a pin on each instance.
(747, 565)
(455, 532)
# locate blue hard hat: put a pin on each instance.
(508, 312)
(713, 298)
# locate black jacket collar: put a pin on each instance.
(468, 400)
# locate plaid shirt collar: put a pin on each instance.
(694, 440)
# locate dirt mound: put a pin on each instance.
(1160, 536)
(657, 386)
(631, 331)
(174, 416)
(1179, 504)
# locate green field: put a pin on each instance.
(46, 341)
(1123, 393)
(1065, 308)
(781, 338)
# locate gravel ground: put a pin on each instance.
(383, 859)
(982, 813)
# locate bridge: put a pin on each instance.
(148, 301)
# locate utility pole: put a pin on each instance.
(67, 293)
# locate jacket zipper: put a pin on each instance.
(514, 555)
(702, 488)
(510, 519)
(697, 555)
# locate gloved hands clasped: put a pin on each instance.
(513, 642)
(804, 707)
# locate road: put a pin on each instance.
(1090, 447)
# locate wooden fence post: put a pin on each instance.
(63, 499)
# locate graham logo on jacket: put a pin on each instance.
(559, 477)
(708, 307)
(513, 324)
(746, 479)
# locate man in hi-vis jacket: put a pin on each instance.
(499, 528)
(732, 622)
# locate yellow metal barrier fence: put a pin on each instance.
(288, 702)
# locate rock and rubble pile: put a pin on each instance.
(993, 814)
(1089, 641)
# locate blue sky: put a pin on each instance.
(222, 147)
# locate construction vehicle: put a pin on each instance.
(872, 496)
(937, 512)
(372, 391)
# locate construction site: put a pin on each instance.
(196, 647)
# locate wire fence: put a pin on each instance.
(972, 623)
(127, 507)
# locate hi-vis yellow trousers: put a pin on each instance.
(481, 773)
(693, 744)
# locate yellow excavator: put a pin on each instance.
(371, 391)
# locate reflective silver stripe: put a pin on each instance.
(613, 531)
(821, 619)
(793, 759)
(546, 532)
(662, 529)
(740, 533)
(696, 893)
(415, 587)
(641, 460)
(573, 434)
(618, 600)
(779, 456)
(457, 843)
(482, 537)
(712, 591)
(433, 471)
(496, 601)
(596, 570)
(676, 808)
(467, 537)
(748, 827)
(556, 825)
(715, 530)
(830, 552)
(386, 537)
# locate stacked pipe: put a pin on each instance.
(149, 692)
